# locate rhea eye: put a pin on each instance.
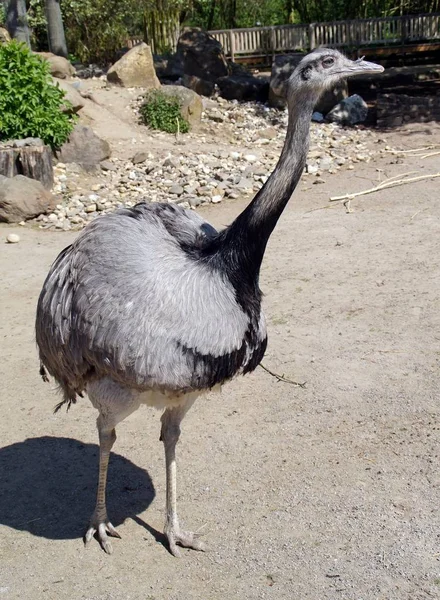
(328, 61)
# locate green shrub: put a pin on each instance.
(30, 106)
(162, 112)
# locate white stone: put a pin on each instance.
(12, 238)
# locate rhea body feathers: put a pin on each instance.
(144, 297)
(152, 305)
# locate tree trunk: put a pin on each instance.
(55, 29)
(34, 162)
(16, 21)
(211, 15)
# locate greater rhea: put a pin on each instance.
(151, 305)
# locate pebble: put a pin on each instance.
(12, 238)
(106, 165)
(255, 134)
(176, 189)
(139, 157)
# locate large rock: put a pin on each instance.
(84, 147)
(201, 55)
(4, 36)
(191, 105)
(330, 98)
(168, 68)
(59, 67)
(72, 96)
(394, 110)
(282, 68)
(22, 198)
(243, 87)
(135, 69)
(202, 87)
(350, 111)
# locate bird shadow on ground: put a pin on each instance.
(48, 487)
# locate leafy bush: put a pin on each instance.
(162, 112)
(30, 106)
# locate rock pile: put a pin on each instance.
(250, 137)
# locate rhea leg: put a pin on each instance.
(170, 432)
(99, 522)
(114, 404)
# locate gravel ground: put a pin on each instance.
(176, 173)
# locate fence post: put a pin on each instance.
(312, 40)
(404, 29)
(232, 44)
(273, 42)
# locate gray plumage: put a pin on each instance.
(129, 310)
(152, 305)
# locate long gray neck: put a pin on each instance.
(243, 243)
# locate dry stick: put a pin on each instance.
(394, 151)
(401, 175)
(282, 378)
(382, 186)
(431, 154)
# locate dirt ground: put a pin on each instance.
(328, 492)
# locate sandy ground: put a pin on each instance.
(328, 492)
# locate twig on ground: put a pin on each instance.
(388, 183)
(418, 212)
(394, 151)
(431, 154)
(282, 378)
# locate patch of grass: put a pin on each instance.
(162, 112)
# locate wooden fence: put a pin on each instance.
(268, 41)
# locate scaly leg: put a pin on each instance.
(170, 433)
(99, 522)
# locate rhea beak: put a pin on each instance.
(361, 66)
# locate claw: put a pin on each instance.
(187, 539)
(102, 529)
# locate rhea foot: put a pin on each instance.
(103, 528)
(187, 539)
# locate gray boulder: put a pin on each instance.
(318, 117)
(350, 111)
(243, 87)
(84, 147)
(72, 96)
(22, 198)
(201, 55)
(191, 105)
(135, 69)
(331, 98)
(202, 87)
(59, 67)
